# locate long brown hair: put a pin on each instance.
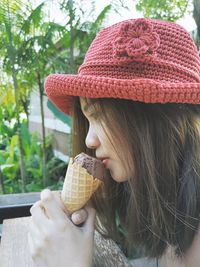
(160, 204)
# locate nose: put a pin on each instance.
(92, 140)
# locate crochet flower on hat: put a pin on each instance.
(136, 40)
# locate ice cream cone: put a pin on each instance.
(78, 187)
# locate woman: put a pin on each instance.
(135, 105)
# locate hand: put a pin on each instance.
(79, 216)
(53, 238)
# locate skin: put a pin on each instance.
(52, 228)
(54, 240)
(98, 140)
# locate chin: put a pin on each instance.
(118, 177)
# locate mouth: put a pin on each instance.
(104, 160)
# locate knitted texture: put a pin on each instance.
(145, 60)
(136, 40)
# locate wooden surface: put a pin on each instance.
(14, 250)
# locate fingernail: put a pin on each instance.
(77, 218)
(46, 194)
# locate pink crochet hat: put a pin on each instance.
(145, 60)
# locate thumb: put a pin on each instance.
(89, 224)
(79, 217)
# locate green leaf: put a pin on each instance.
(26, 138)
(33, 19)
(33, 187)
(170, 10)
(100, 18)
(13, 145)
(5, 166)
(3, 156)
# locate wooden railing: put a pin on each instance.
(16, 205)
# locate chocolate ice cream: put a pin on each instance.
(94, 166)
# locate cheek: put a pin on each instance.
(121, 169)
(115, 165)
(118, 176)
(118, 172)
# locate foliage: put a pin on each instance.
(170, 10)
(31, 47)
(8, 17)
(9, 162)
(82, 26)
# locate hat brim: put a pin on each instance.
(61, 88)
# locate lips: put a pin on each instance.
(104, 160)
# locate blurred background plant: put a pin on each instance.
(32, 45)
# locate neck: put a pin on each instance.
(190, 259)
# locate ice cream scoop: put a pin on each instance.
(84, 175)
(93, 166)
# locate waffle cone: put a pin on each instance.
(78, 187)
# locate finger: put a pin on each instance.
(34, 249)
(38, 238)
(57, 196)
(38, 213)
(36, 254)
(79, 216)
(34, 230)
(31, 245)
(89, 224)
(37, 233)
(51, 206)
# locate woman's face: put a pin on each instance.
(99, 140)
